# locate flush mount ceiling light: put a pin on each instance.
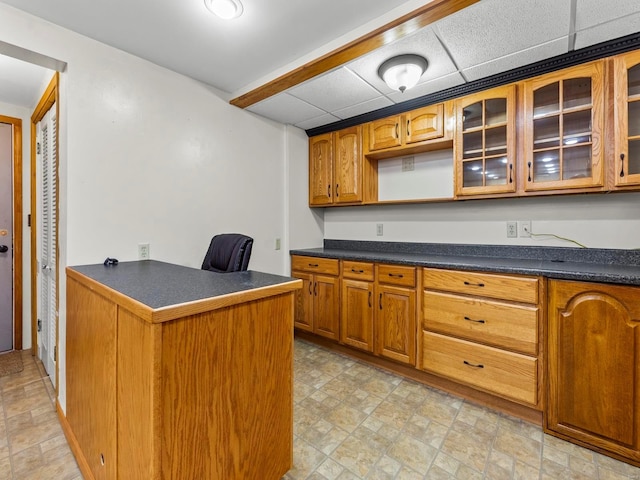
(226, 9)
(402, 72)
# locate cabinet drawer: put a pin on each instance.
(500, 324)
(357, 270)
(396, 275)
(504, 287)
(507, 374)
(328, 266)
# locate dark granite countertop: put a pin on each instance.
(584, 264)
(159, 284)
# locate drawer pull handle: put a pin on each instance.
(357, 271)
(474, 284)
(479, 365)
(399, 275)
(472, 320)
(314, 265)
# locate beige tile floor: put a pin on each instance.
(352, 421)
(32, 445)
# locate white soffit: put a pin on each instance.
(495, 28)
(338, 89)
(22, 83)
(518, 59)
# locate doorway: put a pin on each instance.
(44, 229)
(10, 233)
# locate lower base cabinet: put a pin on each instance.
(594, 366)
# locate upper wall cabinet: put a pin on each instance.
(627, 119)
(410, 129)
(335, 167)
(563, 122)
(485, 145)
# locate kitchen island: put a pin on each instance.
(179, 373)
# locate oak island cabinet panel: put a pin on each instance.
(563, 129)
(593, 369)
(627, 119)
(485, 146)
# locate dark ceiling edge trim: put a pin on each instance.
(577, 57)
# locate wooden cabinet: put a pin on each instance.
(483, 330)
(318, 303)
(407, 129)
(485, 145)
(357, 312)
(395, 329)
(336, 167)
(594, 373)
(563, 129)
(202, 389)
(627, 119)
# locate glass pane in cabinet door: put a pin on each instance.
(634, 119)
(495, 111)
(546, 166)
(576, 162)
(546, 132)
(472, 144)
(577, 127)
(634, 157)
(472, 173)
(495, 141)
(633, 79)
(546, 100)
(496, 171)
(576, 92)
(472, 116)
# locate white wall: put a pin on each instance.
(147, 155)
(24, 114)
(594, 220)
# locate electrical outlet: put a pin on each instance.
(512, 229)
(379, 229)
(524, 229)
(407, 164)
(144, 251)
(277, 244)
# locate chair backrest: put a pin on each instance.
(228, 252)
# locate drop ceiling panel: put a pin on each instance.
(338, 89)
(424, 43)
(606, 31)
(286, 109)
(495, 28)
(426, 88)
(590, 13)
(325, 119)
(365, 107)
(518, 59)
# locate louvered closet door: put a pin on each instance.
(47, 239)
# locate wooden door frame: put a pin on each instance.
(49, 98)
(16, 253)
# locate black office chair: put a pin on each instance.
(228, 252)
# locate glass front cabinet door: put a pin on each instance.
(485, 146)
(563, 119)
(627, 115)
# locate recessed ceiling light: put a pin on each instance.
(226, 9)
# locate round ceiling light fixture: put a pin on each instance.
(225, 9)
(402, 72)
